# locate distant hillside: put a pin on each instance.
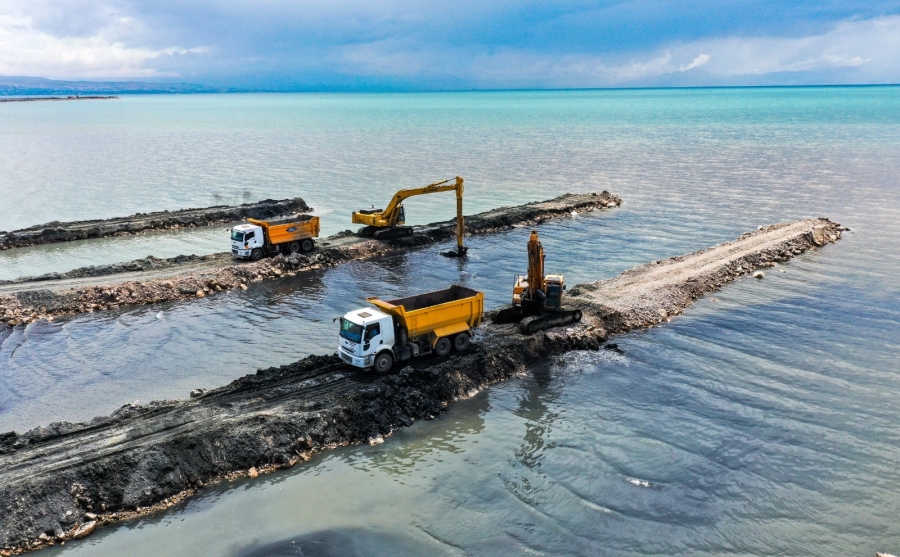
(32, 86)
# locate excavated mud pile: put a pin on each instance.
(62, 481)
(53, 232)
(39, 302)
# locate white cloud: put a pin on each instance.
(27, 50)
(698, 61)
(870, 46)
(849, 44)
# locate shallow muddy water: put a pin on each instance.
(762, 421)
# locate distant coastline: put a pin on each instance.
(66, 98)
(39, 87)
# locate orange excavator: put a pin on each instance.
(537, 301)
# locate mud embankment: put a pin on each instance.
(62, 481)
(86, 290)
(56, 231)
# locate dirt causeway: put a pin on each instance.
(152, 280)
(62, 481)
(53, 232)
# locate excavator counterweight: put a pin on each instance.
(389, 223)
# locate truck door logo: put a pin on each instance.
(292, 229)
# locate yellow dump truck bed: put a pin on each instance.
(289, 230)
(442, 312)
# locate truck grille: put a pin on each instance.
(346, 358)
(233, 251)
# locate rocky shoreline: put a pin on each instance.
(219, 272)
(53, 232)
(62, 481)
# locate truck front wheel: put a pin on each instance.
(256, 254)
(461, 342)
(383, 362)
(442, 348)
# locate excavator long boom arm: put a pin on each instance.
(535, 265)
(391, 215)
(392, 211)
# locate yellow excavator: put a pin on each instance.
(388, 223)
(537, 301)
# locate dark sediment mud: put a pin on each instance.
(151, 280)
(54, 232)
(62, 481)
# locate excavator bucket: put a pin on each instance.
(509, 314)
(458, 252)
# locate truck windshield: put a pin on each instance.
(237, 235)
(351, 331)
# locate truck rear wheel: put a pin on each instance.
(461, 342)
(256, 254)
(294, 247)
(383, 363)
(307, 245)
(442, 348)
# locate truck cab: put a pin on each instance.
(364, 334)
(245, 238)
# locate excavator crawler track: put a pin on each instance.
(533, 324)
(393, 232)
(367, 232)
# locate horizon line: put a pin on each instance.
(211, 89)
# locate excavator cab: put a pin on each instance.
(554, 286)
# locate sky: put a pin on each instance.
(463, 44)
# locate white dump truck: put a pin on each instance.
(258, 238)
(432, 323)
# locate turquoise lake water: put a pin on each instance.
(763, 421)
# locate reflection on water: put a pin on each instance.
(399, 461)
(342, 543)
(760, 422)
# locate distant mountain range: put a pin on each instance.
(39, 86)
